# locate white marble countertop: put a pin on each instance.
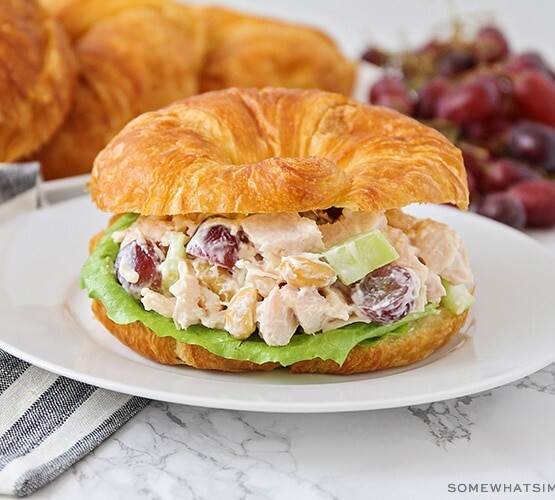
(505, 436)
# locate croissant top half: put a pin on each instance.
(275, 150)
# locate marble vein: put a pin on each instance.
(542, 381)
(447, 421)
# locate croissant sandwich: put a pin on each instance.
(263, 228)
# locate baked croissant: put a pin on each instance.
(37, 73)
(134, 56)
(237, 200)
(252, 151)
(139, 55)
(249, 51)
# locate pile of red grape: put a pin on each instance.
(497, 106)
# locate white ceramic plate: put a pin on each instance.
(45, 319)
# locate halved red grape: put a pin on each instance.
(490, 45)
(504, 172)
(393, 92)
(142, 258)
(387, 294)
(538, 198)
(505, 208)
(214, 243)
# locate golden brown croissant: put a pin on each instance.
(139, 55)
(134, 56)
(37, 73)
(248, 51)
(296, 150)
(245, 152)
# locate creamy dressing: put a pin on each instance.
(280, 284)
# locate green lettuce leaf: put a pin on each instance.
(98, 278)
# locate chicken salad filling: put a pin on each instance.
(277, 275)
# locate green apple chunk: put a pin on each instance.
(354, 258)
(457, 298)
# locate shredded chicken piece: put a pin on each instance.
(408, 258)
(442, 250)
(350, 224)
(314, 309)
(276, 235)
(195, 303)
(253, 274)
(337, 304)
(218, 279)
(276, 321)
(399, 219)
(154, 301)
(155, 229)
(309, 306)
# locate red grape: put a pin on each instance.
(490, 45)
(533, 143)
(505, 208)
(429, 95)
(393, 92)
(214, 243)
(472, 101)
(538, 198)
(534, 94)
(387, 294)
(453, 62)
(504, 172)
(142, 257)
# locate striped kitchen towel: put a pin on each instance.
(47, 422)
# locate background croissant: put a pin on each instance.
(248, 51)
(139, 55)
(37, 73)
(133, 56)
